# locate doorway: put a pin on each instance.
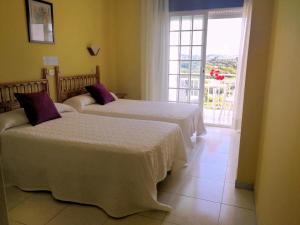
(222, 57)
(203, 62)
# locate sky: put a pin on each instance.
(223, 37)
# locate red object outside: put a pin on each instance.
(216, 74)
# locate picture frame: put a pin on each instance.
(40, 21)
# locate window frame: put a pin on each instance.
(202, 61)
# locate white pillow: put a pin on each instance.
(62, 108)
(12, 119)
(80, 101)
(114, 95)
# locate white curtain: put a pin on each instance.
(242, 65)
(154, 49)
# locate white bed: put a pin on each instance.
(187, 116)
(113, 163)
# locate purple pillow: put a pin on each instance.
(100, 94)
(38, 107)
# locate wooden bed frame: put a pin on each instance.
(73, 85)
(8, 101)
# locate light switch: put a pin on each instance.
(50, 60)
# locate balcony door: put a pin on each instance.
(188, 32)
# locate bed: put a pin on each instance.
(71, 91)
(112, 163)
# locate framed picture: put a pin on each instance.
(40, 21)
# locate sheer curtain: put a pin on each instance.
(242, 66)
(154, 49)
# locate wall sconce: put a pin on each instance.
(93, 49)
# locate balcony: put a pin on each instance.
(219, 100)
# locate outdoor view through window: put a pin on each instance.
(188, 58)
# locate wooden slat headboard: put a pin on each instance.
(8, 101)
(70, 86)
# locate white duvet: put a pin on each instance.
(112, 163)
(188, 117)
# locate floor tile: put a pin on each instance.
(199, 143)
(221, 138)
(233, 160)
(238, 197)
(231, 215)
(202, 188)
(231, 173)
(192, 211)
(234, 152)
(212, 157)
(78, 215)
(15, 196)
(133, 220)
(221, 145)
(208, 171)
(192, 154)
(37, 210)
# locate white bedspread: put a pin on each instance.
(112, 163)
(187, 116)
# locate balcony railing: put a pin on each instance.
(219, 100)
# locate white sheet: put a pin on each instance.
(112, 163)
(187, 116)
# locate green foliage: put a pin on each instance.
(225, 65)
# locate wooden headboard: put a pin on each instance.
(8, 101)
(70, 86)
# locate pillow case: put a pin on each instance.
(63, 108)
(80, 101)
(12, 119)
(100, 94)
(114, 95)
(38, 107)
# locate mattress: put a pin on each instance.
(112, 163)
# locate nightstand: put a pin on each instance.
(121, 95)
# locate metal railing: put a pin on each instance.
(219, 100)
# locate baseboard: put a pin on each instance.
(242, 185)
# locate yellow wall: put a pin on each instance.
(254, 89)
(128, 60)
(278, 176)
(77, 23)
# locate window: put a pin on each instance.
(186, 58)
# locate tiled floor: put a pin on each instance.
(218, 116)
(201, 194)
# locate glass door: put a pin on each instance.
(188, 33)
